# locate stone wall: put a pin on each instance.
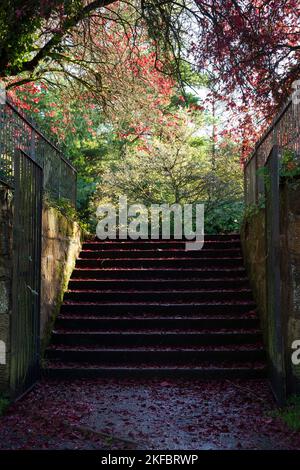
(254, 248)
(255, 251)
(290, 277)
(61, 244)
(6, 219)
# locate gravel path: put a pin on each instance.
(144, 414)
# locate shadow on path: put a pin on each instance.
(156, 414)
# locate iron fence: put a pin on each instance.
(284, 133)
(18, 133)
(276, 153)
(25, 318)
(31, 165)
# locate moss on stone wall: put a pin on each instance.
(254, 250)
(61, 244)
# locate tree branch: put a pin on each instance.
(55, 40)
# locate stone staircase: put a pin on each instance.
(150, 308)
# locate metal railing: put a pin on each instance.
(275, 155)
(18, 133)
(284, 132)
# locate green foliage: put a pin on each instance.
(22, 24)
(65, 208)
(17, 37)
(4, 404)
(175, 167)
(83, 133)
(3, 175)
(290, 414)
(289, 164)
(170, 162)
(190, 76)
(289, 168)
(264, 173)
(6, 175)
(91, 159)
(253, 209)
(61, 114)
(226, 217)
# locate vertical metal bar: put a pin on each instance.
(59, 179)
(39, 199)
(256, 179)
(32, 144)
(245, 185)
(15, 293)
(75, 190)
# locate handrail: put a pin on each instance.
(270, 129)
(284, 132)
